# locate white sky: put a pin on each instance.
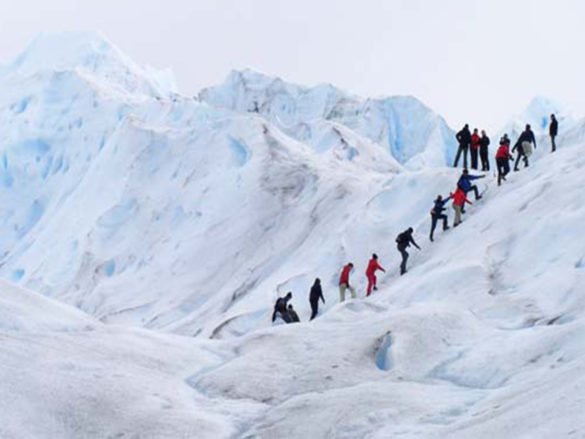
(476, 61)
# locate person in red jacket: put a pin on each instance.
(503, 158)
(459, 200)
(344, 282)
(475, 144)
(373, 266)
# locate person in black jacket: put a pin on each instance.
(403, 241)
(523, 146)
(484, 152)
(314, 296)
(553, 130)
(280, 307)
(437, 214)
(464, 139)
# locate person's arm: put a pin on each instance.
(447, 199)
(414, 243)
(533, 139)
(467, 201)
(379, 267)
(274, 315)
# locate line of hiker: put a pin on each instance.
(286, 312)
(477, 146)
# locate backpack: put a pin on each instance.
(402, 238)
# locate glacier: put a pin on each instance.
(144, 236)
(413, 134)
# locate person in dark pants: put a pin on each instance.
(294, 317)
(553, 130)
(437, 214)
(403, 241)
(280, 308)
(523, 146)
(503, 158)
(464, 139)
(484, 152)
(314, 296)
(474, 151)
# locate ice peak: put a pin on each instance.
(68, 50)
(91, 53)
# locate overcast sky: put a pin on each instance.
(476, 61)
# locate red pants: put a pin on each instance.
(371, 283)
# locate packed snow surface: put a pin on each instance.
(144, 237)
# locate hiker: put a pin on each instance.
(464, 139)
(483, 151)
(553, 130)
(373, 265)
(524, 147)
(280, 308)
(459, 200)
(475, 143)
(403, 241)
(294, 317)
(503, 158)
(314, 296)
(464, 183)
(437, 214)
(344, 282)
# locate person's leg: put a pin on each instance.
(506, 164)
(457, 156)
(500, 168)
(445, 221)
(554, 146)
(457, 218)
(342, 288)
(404, 255)
(314, 310)
(433, 226)
(518, 157)
(465, 152)
(473, 153)
(371, 283)
(476, 192)
(352, 291)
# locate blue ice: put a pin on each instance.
(17, 274)
(240, 151)
(34, 214)
(110, 267)
(383, 357)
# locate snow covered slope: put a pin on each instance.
(411, 132)
(482, 338)
(66, 375)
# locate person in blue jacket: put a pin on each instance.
(437, 214)
(466, 185)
